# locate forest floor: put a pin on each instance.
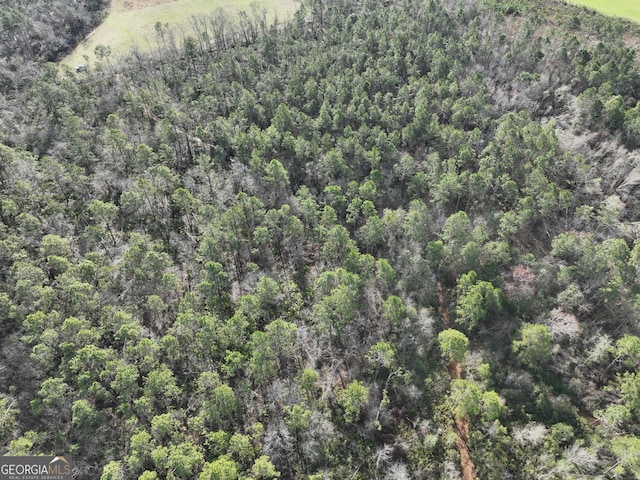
(131, 23)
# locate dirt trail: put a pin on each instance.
(462, 430)
(461, 424)
(442, 307)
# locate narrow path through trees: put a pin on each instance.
(461, 423)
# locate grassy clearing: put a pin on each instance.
(629, 9)
(132, 22)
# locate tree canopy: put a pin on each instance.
(379, 239)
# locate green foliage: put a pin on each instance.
(393, 310)
(84, 416)
(263, 469)
(141, 446)
(466, 398)
(297, 418)
(476, 300)
(630, 392)
(27, 444)
(308, 379)
(352, 398)
(52, 397)
(627, 451)
(223, 468)
(112, 471)
(628, 347)
(216, 259)
(221, 406)
(454, 345)
(381, 354)
(272, 348)
(534, 347)
(492, 406)
(276, 175)
(185, 460)
(8, 419)
(161, 386)
(147, 475)
(336, 309)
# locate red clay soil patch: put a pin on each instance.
(462, 443)
(455, 370)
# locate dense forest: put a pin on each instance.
(37, 31)
(387, 239)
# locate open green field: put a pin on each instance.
(621, 8)
(132, 22)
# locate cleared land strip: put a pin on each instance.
(132, 22)
(621, 8)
